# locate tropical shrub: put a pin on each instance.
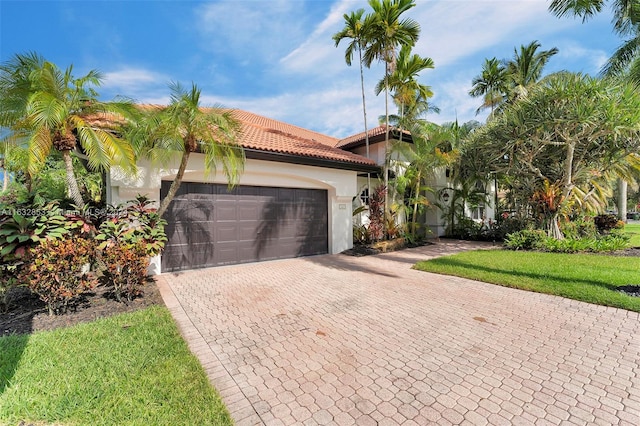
(361, 234)
(468, 229)
(597, 244)
(606, 222)
(127, 239)
(22, 226)
(135, 223)
(125, 269)
(527, 239)
(580, 227)
(58, 271)
(376, 213)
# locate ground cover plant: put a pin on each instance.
(592, 278)
(129, 369)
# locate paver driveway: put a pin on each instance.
(344, 340)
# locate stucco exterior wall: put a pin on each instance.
(341, 186)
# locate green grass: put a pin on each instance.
(586, 277)
(633, 230)
(131, 369)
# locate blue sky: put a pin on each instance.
(277, 58)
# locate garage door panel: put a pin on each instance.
(226, 212)
(200, 233)
(226, 233)
(202, 254)
(247, 192)
(199, 189)
(211, 225)
(267, 192)
(248, 211)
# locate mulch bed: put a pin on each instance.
(27, 314)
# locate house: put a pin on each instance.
(293, 199)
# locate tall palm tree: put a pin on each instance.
(51, 109)
(355, 29)
(184, 127)
(387, 32)
(626, 23)
(525, 69)
(404, 80)
(491, 84)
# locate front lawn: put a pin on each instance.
(587, 277)
(633, 230)
(130, 369)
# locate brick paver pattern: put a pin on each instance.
(343, 340)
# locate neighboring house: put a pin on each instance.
(293, 199)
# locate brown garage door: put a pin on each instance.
(210, 225)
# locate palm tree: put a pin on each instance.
(525, 69)
(430, 152)
(51, 109)
(404, 80)
(626, 23)
(387, 32)
(184, 127)
(491, 84)
(355, 29)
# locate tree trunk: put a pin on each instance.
(386, 136)
(414, 219)
(72, 184)
(568, 173)
(622, 200)
(175, 184)
(553, 228)
(364, 113)
(5, 180)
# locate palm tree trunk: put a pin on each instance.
(5, 180)
(414, 219)
(72, 183)
(386, 136)
(175, 184)
(622, 200)
(364, 112)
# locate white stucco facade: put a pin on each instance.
(341, 187)
(432, 219)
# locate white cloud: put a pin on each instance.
(318, 50)
(335, 111)
(250, 30)
(454, 30)
(592, 60)
(131, 78)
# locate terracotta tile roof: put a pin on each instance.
(359, 139)
(265, 134)
(268, 135)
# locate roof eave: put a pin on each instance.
(280, 157)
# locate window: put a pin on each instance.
(364, 196)
(478, 213)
